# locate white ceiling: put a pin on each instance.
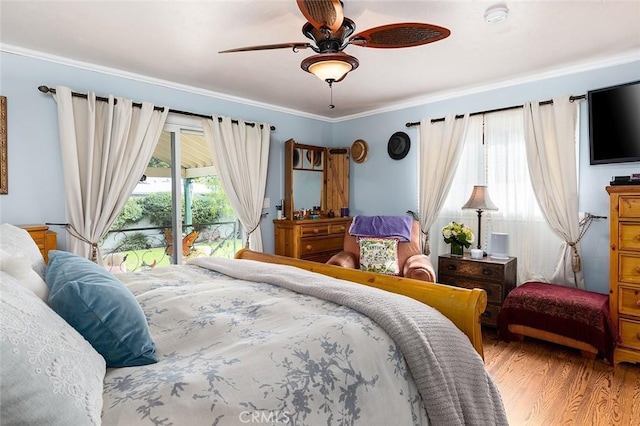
(177, 41)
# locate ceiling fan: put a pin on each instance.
(331, 32)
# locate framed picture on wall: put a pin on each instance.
(3, 151)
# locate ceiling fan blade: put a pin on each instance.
(293, 46)
(322, 13)
(399, 35)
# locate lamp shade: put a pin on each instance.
(330, 66)
(480, 199)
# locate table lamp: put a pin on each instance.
(480, 201)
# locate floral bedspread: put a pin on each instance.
(236, 352)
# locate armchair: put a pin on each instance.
(411, 262)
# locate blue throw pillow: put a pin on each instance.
(100, 308)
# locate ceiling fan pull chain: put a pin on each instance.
(331, 105)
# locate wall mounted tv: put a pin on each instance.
(614, 124)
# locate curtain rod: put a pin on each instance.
(46, 89)
(549, 102)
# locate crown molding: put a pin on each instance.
(621, 59)
(150, 80)
(590, 65)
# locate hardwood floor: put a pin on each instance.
(545, 384)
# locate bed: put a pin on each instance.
(257, 339)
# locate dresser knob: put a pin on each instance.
(342, 228)
(637, 269)
(638, 237)
(451, 267)
(309, 247)
(488, 271)
(486, 314)
(316, 230)
(638, 303)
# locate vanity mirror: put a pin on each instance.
(315, 176)
(318, 177)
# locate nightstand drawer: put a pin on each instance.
(490, 315)
(493, 290)
(630, 333)
(486, 271)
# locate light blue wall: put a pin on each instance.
(397, 179)
(380, 185)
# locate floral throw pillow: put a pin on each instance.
(379, 255)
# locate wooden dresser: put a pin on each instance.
(624, 272)
(496, 277)
(44, 238)
(311, 239)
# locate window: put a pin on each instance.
(179, 194)
(494, 155)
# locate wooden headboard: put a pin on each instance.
(44, 238)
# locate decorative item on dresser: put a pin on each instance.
(495, 276)
(44, 238)
(313, 239)
(624, 269)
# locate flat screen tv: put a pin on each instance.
(614, 124)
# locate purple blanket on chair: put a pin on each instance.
(382, 226)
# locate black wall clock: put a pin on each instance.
(399, 145)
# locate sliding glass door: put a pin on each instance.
(178, 203)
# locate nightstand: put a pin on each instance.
(495, 276)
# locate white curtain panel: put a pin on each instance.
(240, 153)
(440, 146)
(106, 147)
(499, 161)
(550, 134)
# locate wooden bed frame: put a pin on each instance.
(462, 306)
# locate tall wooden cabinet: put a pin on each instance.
(311, 239)
(624, 273)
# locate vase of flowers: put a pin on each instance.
(459, 236)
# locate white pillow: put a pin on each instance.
(18, 241)
(50, 374)
(19, 267)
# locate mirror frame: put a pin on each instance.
(289, 201)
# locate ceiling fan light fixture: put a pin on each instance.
(496, 13)
(330, 67)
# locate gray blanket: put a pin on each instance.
(455, 387)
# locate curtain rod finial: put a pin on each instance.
(43, 89)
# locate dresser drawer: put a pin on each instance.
(487, 271)
(493, 290)
(629, 236)
(338, 228)
(629, 301)
(629, 206)
(629, 268)
(311, 230)
(630, 333)
(318, 245)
